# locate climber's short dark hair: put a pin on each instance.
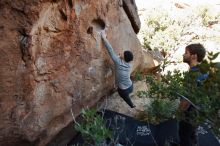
(128, 56)
(197, 49)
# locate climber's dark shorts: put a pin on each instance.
(124, 93)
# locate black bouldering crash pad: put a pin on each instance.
(131, 132)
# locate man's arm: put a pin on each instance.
(184, 105)
(111, 52)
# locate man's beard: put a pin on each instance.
(185, 60)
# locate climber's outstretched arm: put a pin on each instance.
(111, 52)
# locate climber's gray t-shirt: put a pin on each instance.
(122, 68)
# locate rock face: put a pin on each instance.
(53, 61)
(131, 11)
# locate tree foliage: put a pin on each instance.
(93, 128)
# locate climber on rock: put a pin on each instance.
(122, 71)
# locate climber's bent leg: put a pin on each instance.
(125, 95)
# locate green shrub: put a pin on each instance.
(93, 129)
(164, 30)
(160, 31)
(163, 104)
(160, 110)
(205, 15)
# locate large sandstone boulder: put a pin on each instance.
(53, 61)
